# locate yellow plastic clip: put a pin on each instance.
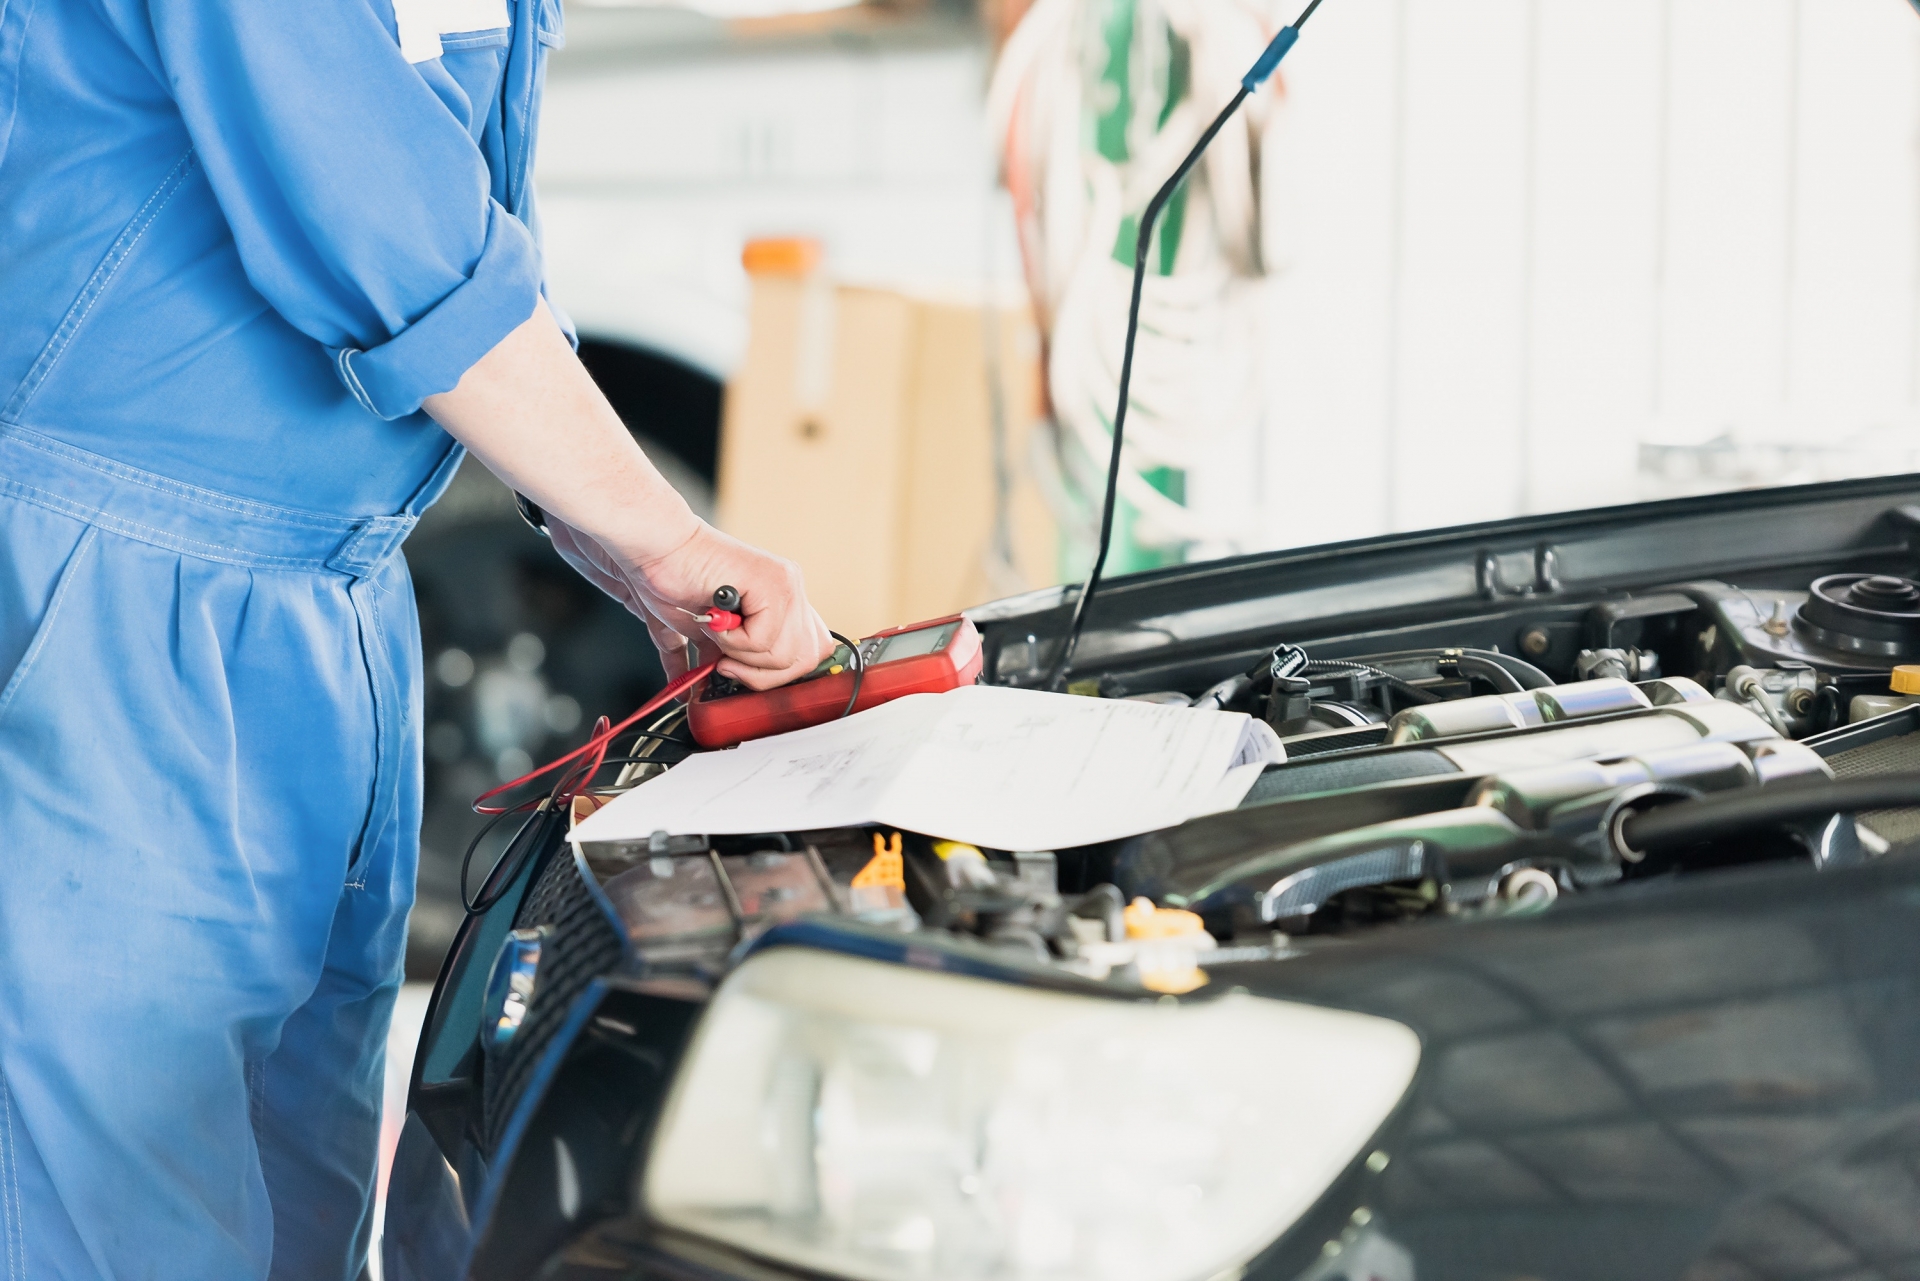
(1145, 921)
(886, 870)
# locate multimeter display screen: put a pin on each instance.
(927, 640)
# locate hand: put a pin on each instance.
(781, 637)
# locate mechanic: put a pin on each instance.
(268, 271)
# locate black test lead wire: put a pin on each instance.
(859, 664)
(1262, 68)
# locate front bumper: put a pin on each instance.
(1653, 1084)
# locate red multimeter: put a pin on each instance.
(922, 658)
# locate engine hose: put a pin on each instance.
(1684, 822)
(1764, 706)
(1413, 692)
(1529, 676)
(1753, 695)
(1487, 670)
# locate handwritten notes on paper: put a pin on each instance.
(1004, 768)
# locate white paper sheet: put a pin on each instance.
(1004, 768)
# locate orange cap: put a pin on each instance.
(1146, 921)
(1905, 679)
(781, 256)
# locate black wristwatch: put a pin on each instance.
(531, 513)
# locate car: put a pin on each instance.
(1577, 936)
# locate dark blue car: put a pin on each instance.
(1577, 937)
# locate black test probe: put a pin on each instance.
(1256, 76)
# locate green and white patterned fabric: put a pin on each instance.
(1095, 102)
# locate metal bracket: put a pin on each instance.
(1492, 585)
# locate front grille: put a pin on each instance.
(582, 946)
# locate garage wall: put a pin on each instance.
(655, 168)
(1543, 254)
(1536, 254)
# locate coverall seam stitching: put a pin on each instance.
(68, 573)
(347, 558)
(526, 110)
(381, 765)
(369, 647)
(96, 286)
(257, 1094)
(518, 191)
(95, 518)
(181, 489)
(10, 1212)
(11, 111)
(455, 455)
(352, 557)
(357, 388)
(383, 712)
(9, 1196)
(480, 38)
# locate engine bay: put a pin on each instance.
(1418, 784)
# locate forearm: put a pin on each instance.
(529, 411)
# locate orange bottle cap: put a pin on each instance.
(781, 256)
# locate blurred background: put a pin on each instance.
(855, 275)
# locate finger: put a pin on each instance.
(671, 644)
(769, 608)
(790, 652)
(799, 652)
(789, 635)
(681, 619)
(691, 649)
(760, 678)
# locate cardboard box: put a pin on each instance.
(857, 440)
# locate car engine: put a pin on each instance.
(1419, 783)
(1467, 748)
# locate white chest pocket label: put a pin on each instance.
(423, 22)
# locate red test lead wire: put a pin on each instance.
(596, 744)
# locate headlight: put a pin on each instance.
(880, 1122)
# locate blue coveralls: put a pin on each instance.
(240, 241)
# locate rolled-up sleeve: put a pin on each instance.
(358, 201)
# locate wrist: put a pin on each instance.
(652, 532)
